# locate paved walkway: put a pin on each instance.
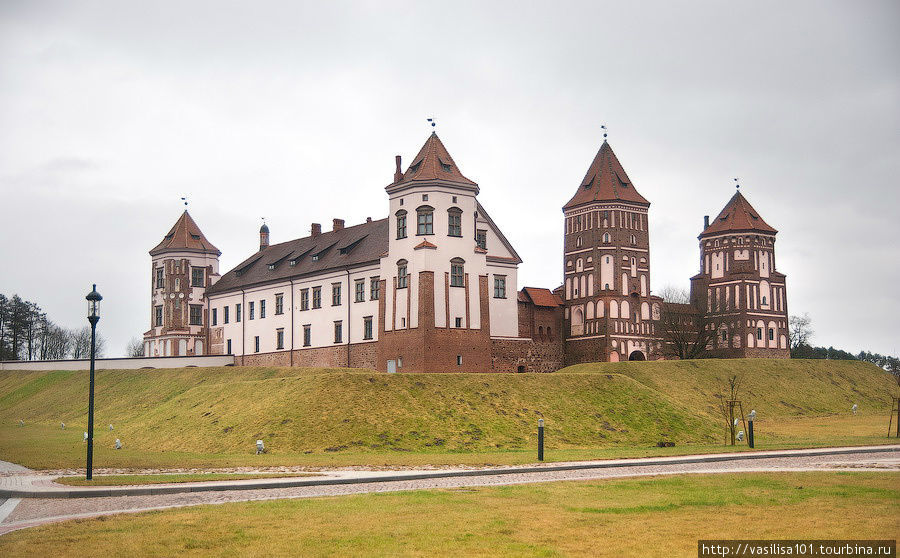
(41, 501)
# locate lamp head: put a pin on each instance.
(94, 299)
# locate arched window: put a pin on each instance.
(579, 264)
(402, 275)
(457, 272)
(633, 240)
(578, 242)
(540, 332)
(454, 221)
(401, 224)
(425, 220)
(549, 334)
(606, 238)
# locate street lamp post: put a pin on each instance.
(93, 299)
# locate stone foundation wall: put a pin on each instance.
(508, 355)
(362, 355)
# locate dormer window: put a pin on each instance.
(415, 168)
(314, 257)
(292, 263)
(445, 167)
(271, 266)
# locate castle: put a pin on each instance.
(433, 286)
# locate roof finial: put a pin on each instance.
(605, 130)
(737, 184)
(184, 199)
(433, 123)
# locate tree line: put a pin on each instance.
(26, 333)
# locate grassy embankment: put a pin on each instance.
(661, 516)
(201, 417)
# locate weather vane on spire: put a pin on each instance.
(605, 131)
(185, 201)
(737, 184)
(433, 123)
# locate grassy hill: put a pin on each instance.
(303, 414)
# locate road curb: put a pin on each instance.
(106, 492)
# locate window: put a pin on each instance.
(457, 272)
(359, 290)
(454, 221)
(178, 304)
(196, 316)
(499, 286)
(724, 335)
(425, 220)
(367, 327)
(251, 310)
(159, 316)
(402, 277)
(262, 309)
(481, 239)
(228, 347)
(759, 334)
(771, 334)
(279, 304)
(374, 288)
(459, 360)
(225, 310)
(256, 344)
(160, 278)
(424, 197)
(215, 317)
(196, 276)
(401, 223)
(633, 240)
(304, 299)
(317, 297)
(338, 331)
(335, 294)
(458, 322)
(606, 238)
(177, 283)
(578, 242)
(764, 301)
(454, 197)
(307, 335)
(237, 312)
(279, 338)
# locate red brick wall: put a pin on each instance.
(507, 355)
(362, 355)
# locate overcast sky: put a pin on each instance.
(293, 111)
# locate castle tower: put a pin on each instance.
(184, 264)
(609, 312)
(447, 271)
(738, 285)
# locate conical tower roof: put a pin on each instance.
(738, 215)
(606, 180)
(185, 236)
(433, 164)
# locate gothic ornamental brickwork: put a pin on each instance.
(433, 286)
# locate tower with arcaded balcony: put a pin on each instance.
(184, 264)
(739, 287)
(610, 314)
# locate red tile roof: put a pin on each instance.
(185, 236)
(542, 297)
(738, 215)
(606, 180)
(433, 163)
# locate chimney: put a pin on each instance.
(316, 229)
(338, 225)
(398, 174)
(705, 222)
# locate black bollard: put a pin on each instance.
(750, 434)
(540, 439)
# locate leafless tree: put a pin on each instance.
(135, 348)
(799, 330)
(81, 343)
(724, 399)
(684, 325)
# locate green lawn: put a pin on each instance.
(211, 417)
(659, 516)
(125, 480)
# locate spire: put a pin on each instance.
(606, 180)
(738, 215)
(185, 236)
(433, 164)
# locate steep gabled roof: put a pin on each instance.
(481, 211)
(348, 247)
(185, 236)
(738, 215)
(433, 163)
(541, 297)
(606, 180)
